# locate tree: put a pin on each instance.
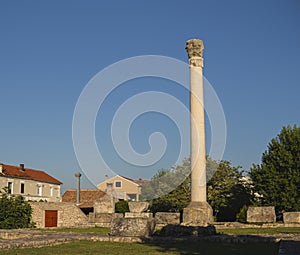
(226, 193)
(276, 181)
(15, 212)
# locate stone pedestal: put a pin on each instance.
(198, 214)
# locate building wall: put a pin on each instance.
(31, 189)
(69, 215)
(127, 186)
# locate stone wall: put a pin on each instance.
(261, 214)
(104, 219)
(68, 214)
(291, 217)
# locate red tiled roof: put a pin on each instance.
(36, 175)
(87, 197)
(140, 181)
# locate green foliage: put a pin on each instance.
(121, 207)
(226, 192)
(242, 215)
(15, 212)
(276, 181)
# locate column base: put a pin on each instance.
(198, 214)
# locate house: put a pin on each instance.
(123, 187)
(34, 185)
(87, 198)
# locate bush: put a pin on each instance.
(242, 215)
(121, 207)
(15, 212)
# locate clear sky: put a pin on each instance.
(49, 50)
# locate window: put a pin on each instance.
(39, 190)
(118, 184)
(9, 187)
(22, 188)
(51, 191)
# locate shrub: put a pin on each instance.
(242, 215)
(121, 207)
(15, 212)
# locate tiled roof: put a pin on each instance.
(140, 181)
(87, 196)
(26, 173)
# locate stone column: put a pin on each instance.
(199, 211)
(78, 175)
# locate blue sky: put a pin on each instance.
(49, 50)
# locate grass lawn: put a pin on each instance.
(171, 248)
(253, 231)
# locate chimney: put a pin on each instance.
(22, 167)
(1, 168)
(78, 175)
(109, 188)
(106, 177)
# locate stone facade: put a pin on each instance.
(165, 218)
(291, 217)
(68, 214)
(138, 227)
(261, 214)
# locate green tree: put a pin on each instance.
(276, 181)
(226, 192)
(15, 212)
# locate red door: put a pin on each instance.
(50, 218)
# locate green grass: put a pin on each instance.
(171, 248)
(97, 230)
(253, 231)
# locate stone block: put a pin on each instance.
(105, 204)
(261, 214)
(141, 227)
(138, 207)
(165, 218)
(138, 215)
(291, 217)
(198, 214)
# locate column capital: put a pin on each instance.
(194, 48)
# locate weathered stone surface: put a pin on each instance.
(105, 204)
(180, 230)
(165, 218)
(138, 215)
(261, 214)
(138, 207)
(291, 217)
(198, 214)
(68, 214)
(142, 227)
(104, 219)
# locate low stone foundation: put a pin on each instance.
(181, 231)
(291, 217)
(164, 218)
(261, 214)
(104, 219)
